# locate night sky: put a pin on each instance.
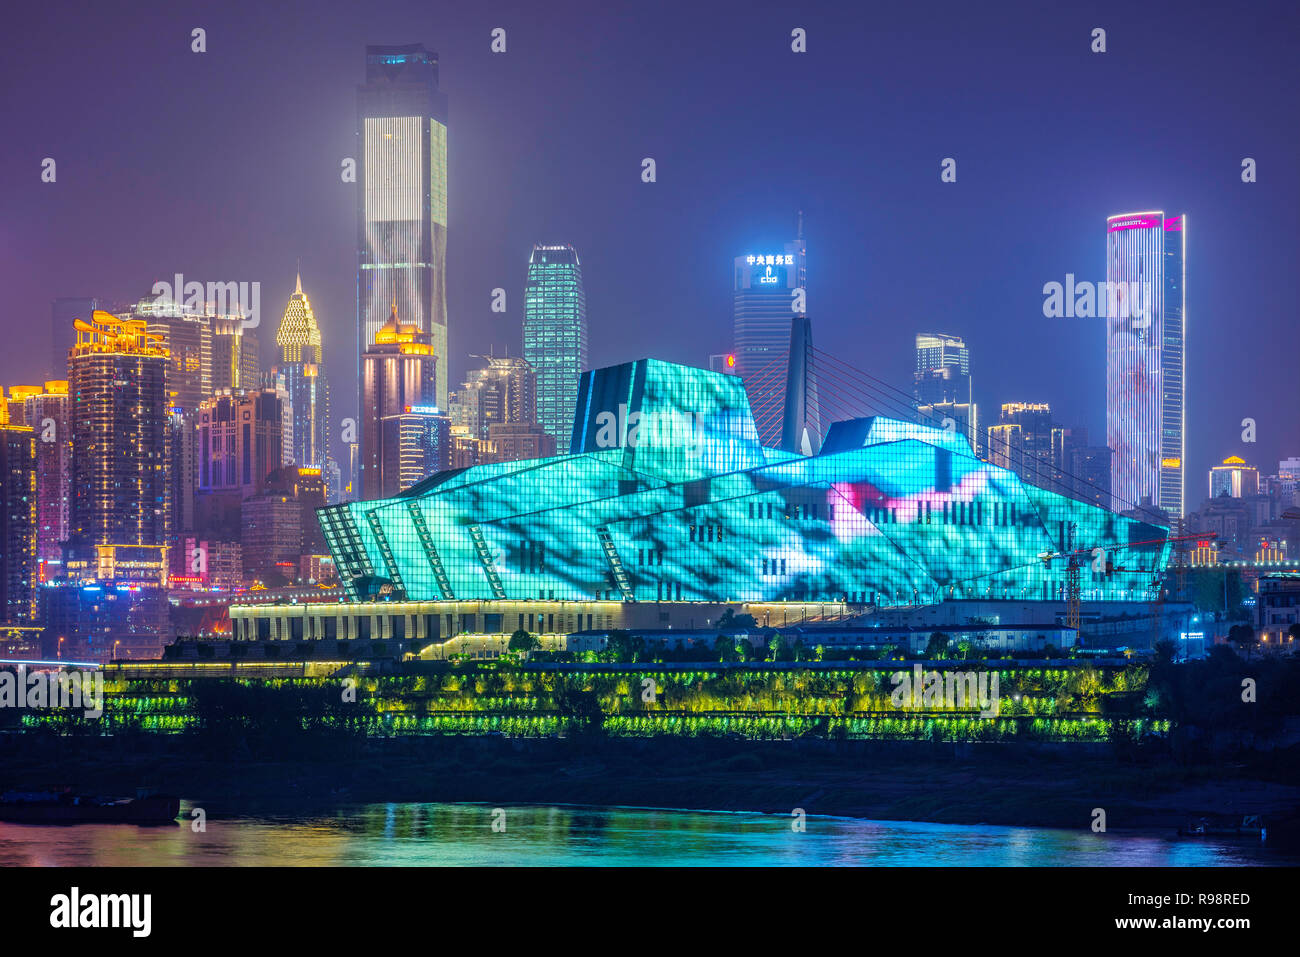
(225, 166)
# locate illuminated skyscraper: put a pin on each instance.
(398, 375)
(1146, 272)
(302, 367)
(120, 491)
(47, 414)
(555, 335)
(402, 198)
(235, 362)
(763, 305)
(942, 369)
(188, 338)
(17, 522)
(62, 312)
(503, 391)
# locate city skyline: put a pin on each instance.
(870, 252)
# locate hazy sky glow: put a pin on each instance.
(225, 166)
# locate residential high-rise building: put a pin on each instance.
(1146, 271)
(119, 492)
(398, 373)
(767, 289)
(46, 412)
(17, 523)
(503, 391)
(62, 313)
(188, 338)
(1234, 478)
(402, 199)
(184, 469)
(301, 364)
(555, 335)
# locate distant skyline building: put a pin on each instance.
(1146, 271)
(235, 360)
(1234, 478)
(399, 372)
(503, 391)
(402, 198)
(188, 339)
(941, 384)
(942, 369)
(47, 413)
(555, 335)
(764, 284)
(240, 441)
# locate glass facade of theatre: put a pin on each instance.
(669, 496)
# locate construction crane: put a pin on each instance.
(1076, 558)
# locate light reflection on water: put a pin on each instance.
(462, 835)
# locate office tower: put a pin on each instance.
(402, 199)
(763, 301)
(17, 523)
(1146, 273)
(1234, 478)
(240, 441)
(62, 313)
(555, 334)
(942, 369)
(188, 338)
(302, 367)
(235, 362)
(517, 441)
(46, 411)
(120, 494)
(414, 444)
(398, 372)
(503, 391)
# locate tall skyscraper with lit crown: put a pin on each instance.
(402, 197)
(301, 365)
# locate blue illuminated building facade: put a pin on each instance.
(669, 496)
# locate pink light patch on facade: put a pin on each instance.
(1144, 221)
(1173, 224)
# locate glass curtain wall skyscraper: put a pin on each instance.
(402, 198)
(1146, 272)
(763, 300)
(555, 335)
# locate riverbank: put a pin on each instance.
(1013, 785)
